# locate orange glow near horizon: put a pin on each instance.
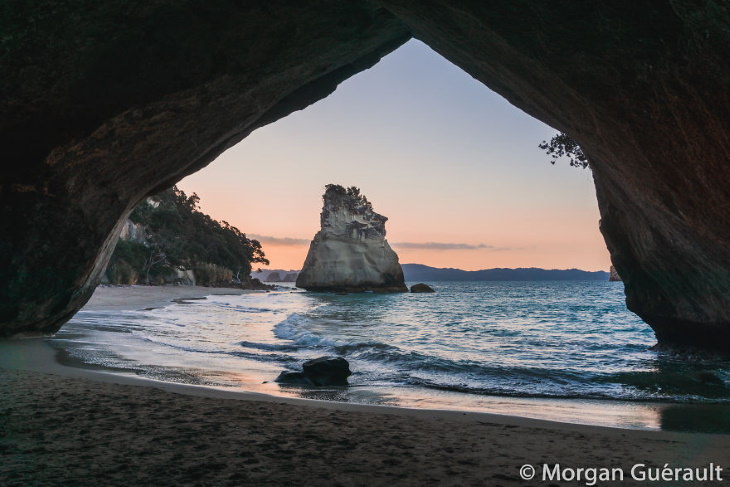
(556, 256)
(445, 159)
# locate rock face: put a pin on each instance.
(133, 231)
(322, 371)
(613, 275)
(422, 288)
(104, 104)
(350, 252)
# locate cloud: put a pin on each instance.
(291, 242)
(441, 246)
(281, 241)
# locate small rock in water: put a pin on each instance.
(422, 288)
(322, 371)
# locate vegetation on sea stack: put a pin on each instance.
(352, 195)
(178, 236)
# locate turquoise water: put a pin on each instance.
(466, 344)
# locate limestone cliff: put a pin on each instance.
(134, 232)
(350, 252)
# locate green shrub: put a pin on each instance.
(179, 235)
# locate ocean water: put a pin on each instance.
(566, 350)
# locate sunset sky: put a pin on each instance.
(454, 167)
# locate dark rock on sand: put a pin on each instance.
(327, 370)
(322, 371)
(294, 378)
(422, 288)
(256, 284)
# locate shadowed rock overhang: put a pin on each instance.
(103, 103)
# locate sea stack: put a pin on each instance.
(350, 253)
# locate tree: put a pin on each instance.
(155, 258)
(179, 235)
(561, 145)
(351, 194)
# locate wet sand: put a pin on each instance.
(62, 425)
(109, 298)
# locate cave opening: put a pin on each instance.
(452, 164)
(457, 171)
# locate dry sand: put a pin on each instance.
(66, 426)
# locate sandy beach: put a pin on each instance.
(61, 425)
(108, 298)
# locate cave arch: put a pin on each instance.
(105, 105)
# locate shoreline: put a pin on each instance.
(615, 414)
(38, 356)
(35, 355)
(92, 427)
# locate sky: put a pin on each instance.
(454, 167)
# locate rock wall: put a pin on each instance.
(643, 88)
(350, 252)
(133, 231)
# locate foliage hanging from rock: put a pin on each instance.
(561, 145)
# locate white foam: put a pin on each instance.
(294, 328)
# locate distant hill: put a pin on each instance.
(275, 275)
(419, 272)
(167, 239)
